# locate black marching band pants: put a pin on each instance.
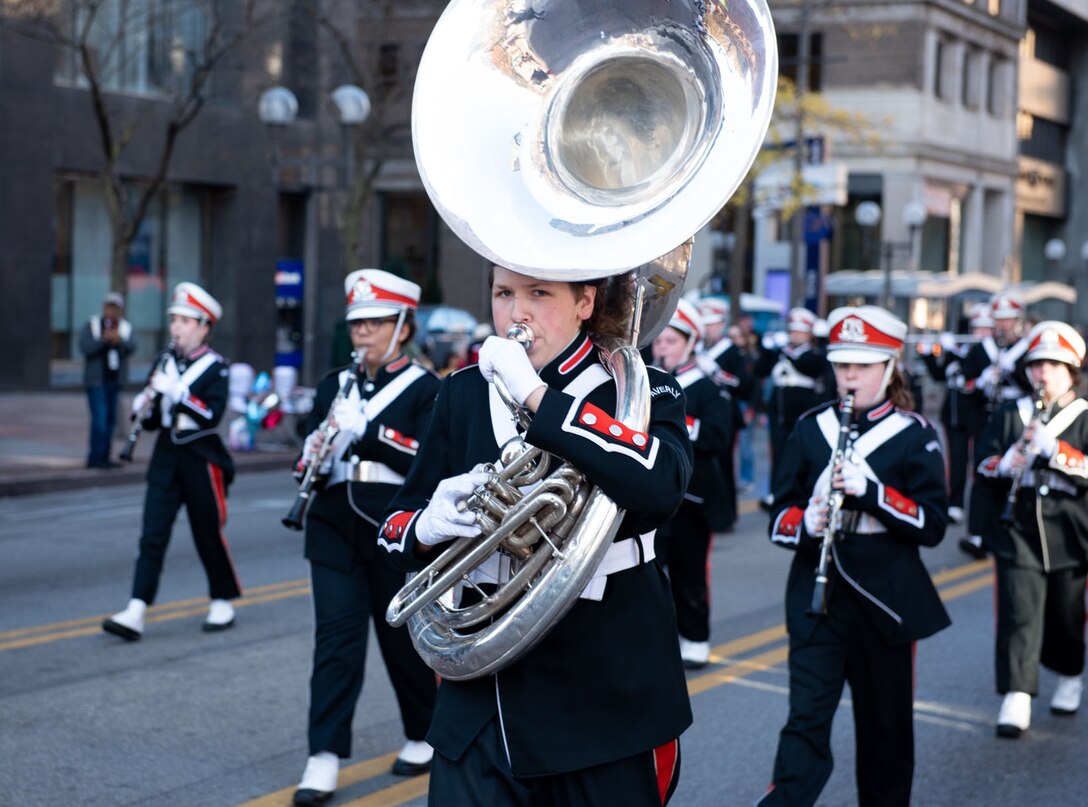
(1040, 618)
(344, 603)
(846, 647)
(199, 485)
(688, 562)
(482, 778)
(958, 444)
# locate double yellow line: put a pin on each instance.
(952, 584)
(181, 609)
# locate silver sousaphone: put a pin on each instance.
(573, 141)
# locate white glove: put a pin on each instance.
(854, 481)
(781, 339)
(816, 516)
(947, 341)
(768, 341)
(350, 418)
(1010, 461)
(138, 404)
(1006, 364)
(440, 520)
(990, 376)
(312, 446)
(1044, 443)
(509, 361)
(169, 388)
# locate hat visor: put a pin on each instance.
(1045, 354)
(188, 311)
(372, 312)
(857, 355)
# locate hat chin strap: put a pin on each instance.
(395, 340)
(889, 368)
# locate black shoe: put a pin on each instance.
(1009, 731)
(402, 767)
(214, 627)
(976, 551)
(117, 629)
(766, 504)
(311, 798)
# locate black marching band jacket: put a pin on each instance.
(877, 551)
(191, 424)
(366, 473)
(607, 682)
(964, 406)
(1013, 381)
(797, 380)
(1050, 529)
(709, 417)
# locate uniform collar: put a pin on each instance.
(683, 367)
(571, 360)
(388, 371)
(875, 414)
(196, 354)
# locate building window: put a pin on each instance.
(940, 58)
(994, 7)
(135, 47)
(388, 61)
(997, 90)
(972, 78)
(788, 57)
(60, 296)
(1045, 141)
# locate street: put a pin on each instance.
(188, 718)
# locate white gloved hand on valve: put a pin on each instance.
(947, 340)
(509, 361)
(171, 389)
(816, 516)
(1006, 364)
(138, 404)
(350, 418)
(1012, 459)
(441, 520)
(1044, 443)
(854, 481)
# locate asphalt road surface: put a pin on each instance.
(187, 718)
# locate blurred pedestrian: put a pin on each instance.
(184, 401)
(106, 341)
(380, 420)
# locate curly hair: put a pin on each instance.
(899, 391)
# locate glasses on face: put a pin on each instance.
(372, 324)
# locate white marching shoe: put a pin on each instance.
(1066, 698)
(220, 616)
(955, 515)
(128, 624)
(694, 654)
(414, 759)
(1015, 715)
(318, 780)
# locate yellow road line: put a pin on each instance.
(173, 613)
(966, 587)
(352, 774)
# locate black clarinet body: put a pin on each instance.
(1008, 513)
(834, 499)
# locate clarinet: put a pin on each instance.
(834, 498)
(1037, 418)
(150, 399)
(293, 519)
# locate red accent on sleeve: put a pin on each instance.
(403, 440)
(1068, 456)
(897, 501)
(396, 524)
(596, 419)
(789, 523)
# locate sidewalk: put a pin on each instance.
(44, 437)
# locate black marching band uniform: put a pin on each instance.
(189, 466)
(352, 581)
(687, 539)
(606, 684)
(880, 596)
(1042, 555)
(796, 374)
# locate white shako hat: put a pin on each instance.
(864, 335)
(980, 316)
(190, 300)
(800, 319)
(713, 310)
(1055, 341)
(1006, 305)
(375, 293)
(687, 320)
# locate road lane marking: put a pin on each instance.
(352, 774)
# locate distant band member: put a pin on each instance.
(689, 536)
(592, 714)
(185, 399)
(880, 599)
(1042, 555)
(380, 422)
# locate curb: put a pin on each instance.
(81, 478)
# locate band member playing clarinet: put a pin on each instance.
(591, 714)
(1041, 544)
(879, 598)
(377, 423)
(185, 399)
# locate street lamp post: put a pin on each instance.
(867, 215)
(277, 109)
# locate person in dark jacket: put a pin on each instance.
(184, 401)
(379, 421)
(1040, 546)
(106, 341)
(879, 599)
(592, 714)
(688, 538)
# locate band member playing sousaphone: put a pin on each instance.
(1035, 472)
(880, 599)
(996, 367)
(377, 408)
(687, 538)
